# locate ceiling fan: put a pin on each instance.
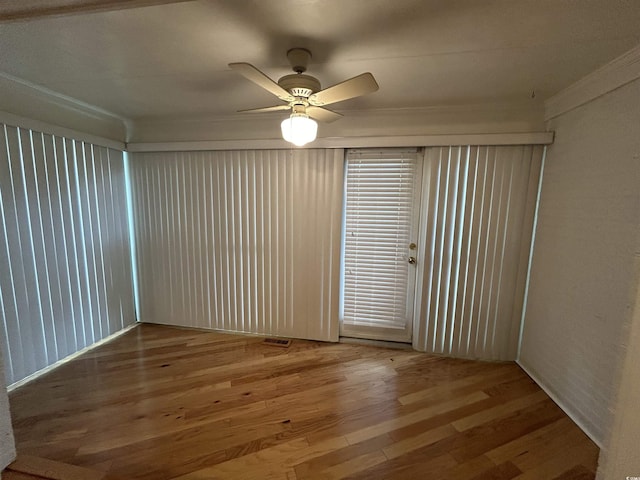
(303, 95)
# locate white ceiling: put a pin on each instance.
(166, 61)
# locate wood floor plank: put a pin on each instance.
(555, 443)
(531, 442)
(354, 465)
(556, 465)
(403, 421)
(315, 467)
(462, 412)
(483, 438)
(273, 462)
(477, 466)
(163, 403)
(498, 411)
(398, 469)
(504, 471)
(423, 439)
(476, 381)
(579, 472)
(11, 475)
(30, 466)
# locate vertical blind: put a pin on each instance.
(244, 241)
(65, 270)
(478, 205)
(380, 198)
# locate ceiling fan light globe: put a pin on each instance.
(299, 129)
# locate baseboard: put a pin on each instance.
(68, 358)
(563, 406)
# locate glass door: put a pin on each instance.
(379, 244)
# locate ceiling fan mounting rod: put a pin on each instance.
(299, 59)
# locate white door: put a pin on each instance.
(379, 244)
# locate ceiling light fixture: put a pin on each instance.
(299, 129)
(304, 96)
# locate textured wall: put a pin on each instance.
(621, 457)
(583, 271)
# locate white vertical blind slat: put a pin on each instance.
(250, 240)
(22, 257)
(64, 261)
(478, 205)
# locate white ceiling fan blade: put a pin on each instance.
(250, 72)
(323, 114)
(354, 87)
(275, 108)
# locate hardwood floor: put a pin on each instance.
(164, 403)
(28, 467)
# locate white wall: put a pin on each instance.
(583, 272)
(621, 459)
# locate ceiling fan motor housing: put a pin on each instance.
(300, 85)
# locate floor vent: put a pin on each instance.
(277, 342)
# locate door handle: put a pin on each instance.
(412, 260)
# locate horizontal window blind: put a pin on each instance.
(65, 270)
(244, 241)
(478, 205)
(378, 223)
